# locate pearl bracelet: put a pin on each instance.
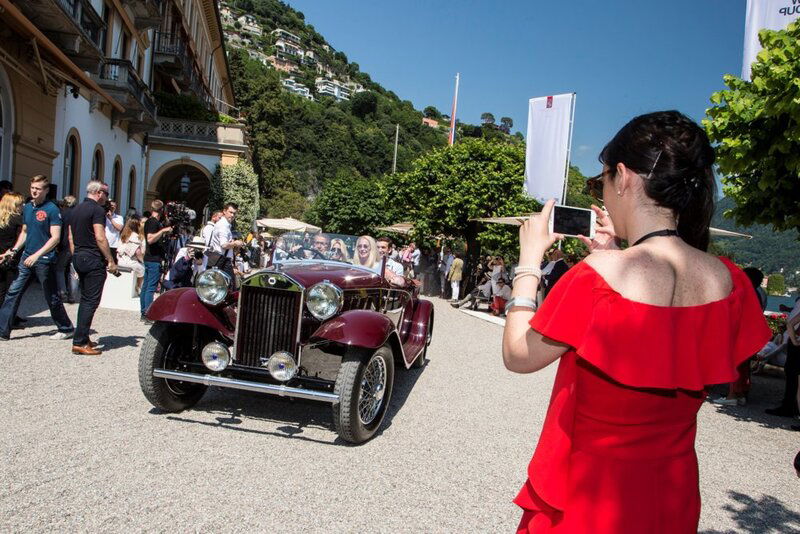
(522, 275)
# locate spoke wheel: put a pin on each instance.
(364, 386)
(373, 387)
(162, 348)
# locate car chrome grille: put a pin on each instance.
(268, 321)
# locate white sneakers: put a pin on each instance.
(62, 335)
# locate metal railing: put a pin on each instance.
(85, 17)
(170, 43)
(122, 72)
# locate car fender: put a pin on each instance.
(414, 342)
(357, 328)
(184, 306)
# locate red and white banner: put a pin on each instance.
(764, 14)
(548, 144)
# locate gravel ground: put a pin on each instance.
(82, 450)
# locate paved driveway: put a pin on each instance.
(83, 450)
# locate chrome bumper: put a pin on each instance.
(282, 391)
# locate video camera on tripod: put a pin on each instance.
(179, 217)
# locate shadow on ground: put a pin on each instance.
(232, 408)
(762, 516)
(118, 342)
(766, 392)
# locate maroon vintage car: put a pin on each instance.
(310, 325)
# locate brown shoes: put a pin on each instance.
(89, 349)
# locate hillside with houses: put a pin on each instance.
(309, 66)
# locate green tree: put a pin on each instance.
(776, 284)
(430, 112)
(236, 183)
(285, 203)
(506, 123)
(448, 187)
(348, 204)
(487, 118)
(362, 104)
(757, 127)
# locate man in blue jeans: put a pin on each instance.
(40, 235)
(154, 234)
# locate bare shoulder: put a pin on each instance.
(669, 276)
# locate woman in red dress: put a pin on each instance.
(640, 333)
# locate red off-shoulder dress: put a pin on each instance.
(616, 452)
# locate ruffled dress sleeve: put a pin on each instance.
(635, 345)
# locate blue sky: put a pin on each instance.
(621, 57)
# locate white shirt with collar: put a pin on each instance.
(221, 236)
(112, 234)
(208, 229)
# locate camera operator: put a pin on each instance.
(114, 225)
(189, 262)
(223, 246)
(91, 257)
(154, 233)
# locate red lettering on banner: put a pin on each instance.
(41, 215)
(549, 102)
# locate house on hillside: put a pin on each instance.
(325, 70)
(286, 36)
(250, 24)
(297, 88)
(283, 65)
(432, 123)
(289, 47)
(333, 88)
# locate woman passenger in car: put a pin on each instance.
(367, 253)
(339, 250)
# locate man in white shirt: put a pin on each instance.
(394, 270)
(114, 225)
(222, 241)
(208, 229)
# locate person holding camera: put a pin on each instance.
(154, 233)
(114, 225)
(223, 245)
(91, 258)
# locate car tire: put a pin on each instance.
(422, 358)
(356, 416)
(166, 395)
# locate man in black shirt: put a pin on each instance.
(91, 257)
(154, 233)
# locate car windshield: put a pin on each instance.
(324, 246)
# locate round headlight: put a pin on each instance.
(324, 300)
(281, 366)
(212, 286)
(216, 356)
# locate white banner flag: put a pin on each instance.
(546, 158)
(764, 14)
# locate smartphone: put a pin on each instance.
(572, 221)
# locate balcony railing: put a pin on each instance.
(119, 75)
(183, 129)
(229, 134)
(170, 44)
(85, 18)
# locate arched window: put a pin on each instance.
(131, 190)
(71, 170)
(116, 179)
(97, 164)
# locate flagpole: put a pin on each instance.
(569, 148)
(452, 137)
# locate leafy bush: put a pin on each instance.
(776, 284)
(184, 106)
(236, 183)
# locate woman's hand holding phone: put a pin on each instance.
(535, 237)
(605, 238)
